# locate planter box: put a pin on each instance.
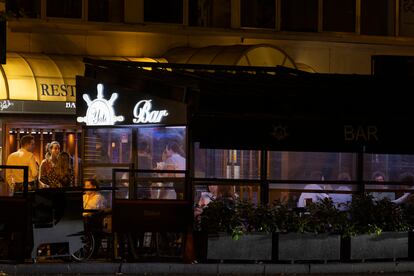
(308, 247)
(256, 246)
(387, 245)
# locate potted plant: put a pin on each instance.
(313, 234)
(376, 230)
(237, 230)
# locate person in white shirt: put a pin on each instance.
(172, 160)
(92, 199)
(307, 197)
(311, 196)
(407, 197)
(22, 157)
(174, 157)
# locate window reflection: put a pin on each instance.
(24, 8)
(377, 17)
(205, 193)
(108, 146)
(64, 8)
(258, 13)
(231, 164)
(162, 11)
(106, 10)
(339, 16)
(302, 19)
(209, 13)
(310, 165)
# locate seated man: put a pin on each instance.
(380, 177)
(307, 197)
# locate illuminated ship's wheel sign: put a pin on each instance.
(100, 111)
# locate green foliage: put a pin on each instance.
(367, 216)
(325, 217)
(220, 216)
(255, 218)
(364, 216)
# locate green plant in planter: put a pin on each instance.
(287, 220)
(367, 216)
(362, 215)
(237, 217)
(255, 218)
(325, 217)
(220, 216)
(390, 217)
(320, 217)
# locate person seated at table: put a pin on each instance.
(407, 197)
(205, 199)
(92, 198)
(380, 177)
(308, 197)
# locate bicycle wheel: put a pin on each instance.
(87, 249)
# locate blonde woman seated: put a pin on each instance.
(92, 199)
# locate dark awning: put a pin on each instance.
(278, 108)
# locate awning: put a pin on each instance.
(39, 83)
(37, 77)
(234, 107)
(241, 55)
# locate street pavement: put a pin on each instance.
(108, 268)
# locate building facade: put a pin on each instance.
(46, 42)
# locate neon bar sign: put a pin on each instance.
(144, 114)
(101, 112)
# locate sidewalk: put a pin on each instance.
(203, 269)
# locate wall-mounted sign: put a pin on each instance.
(143, 113)
(126, 107)
(100, 111)
(37, 107)
(57, 90)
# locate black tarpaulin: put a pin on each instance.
(238, 107)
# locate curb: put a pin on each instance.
(203, 269)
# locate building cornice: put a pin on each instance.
(82, 28)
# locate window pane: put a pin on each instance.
(311, 166)
(218, 163)
(204, 193)
(106, 10)
(300, 15)
(162, 148)
(24, 8)
(64, 8)
(210, 13)
(107, 145)
(170, 11)
(407, 17)
(339, 16)
(390, 168)
(258, 13)
(377, 17)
